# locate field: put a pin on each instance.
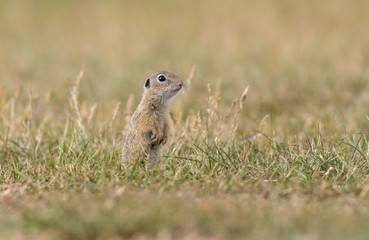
(269, 138)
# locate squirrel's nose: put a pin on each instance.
(180, 84)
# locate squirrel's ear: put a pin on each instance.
(147, 83)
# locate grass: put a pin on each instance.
(270, 136)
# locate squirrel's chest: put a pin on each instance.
(150, 120)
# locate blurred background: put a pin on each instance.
(306, 62)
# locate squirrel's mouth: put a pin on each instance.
(177, 89)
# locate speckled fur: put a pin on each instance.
(149, 125)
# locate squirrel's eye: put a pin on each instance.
(161, 78)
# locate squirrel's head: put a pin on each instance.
(163, 86)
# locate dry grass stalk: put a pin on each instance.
(128, 111)
(243, 96)
(66, 130)
(116, 112)
(75, 104)
(29, 114)
(213, 127)
(91, 113)
(113, 120)
(235, 122)
(191, 76)
(39, 138)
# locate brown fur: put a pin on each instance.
(149, 125)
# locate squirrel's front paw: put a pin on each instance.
(154, 137)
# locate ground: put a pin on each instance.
(269, 138)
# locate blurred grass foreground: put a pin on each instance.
(285, 158)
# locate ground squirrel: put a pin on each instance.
(149, 125)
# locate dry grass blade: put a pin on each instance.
(75, 94)
(128, 111)
(116, 112)
(29, 113)
(91, 113)
(191, 76)
(243, 96)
